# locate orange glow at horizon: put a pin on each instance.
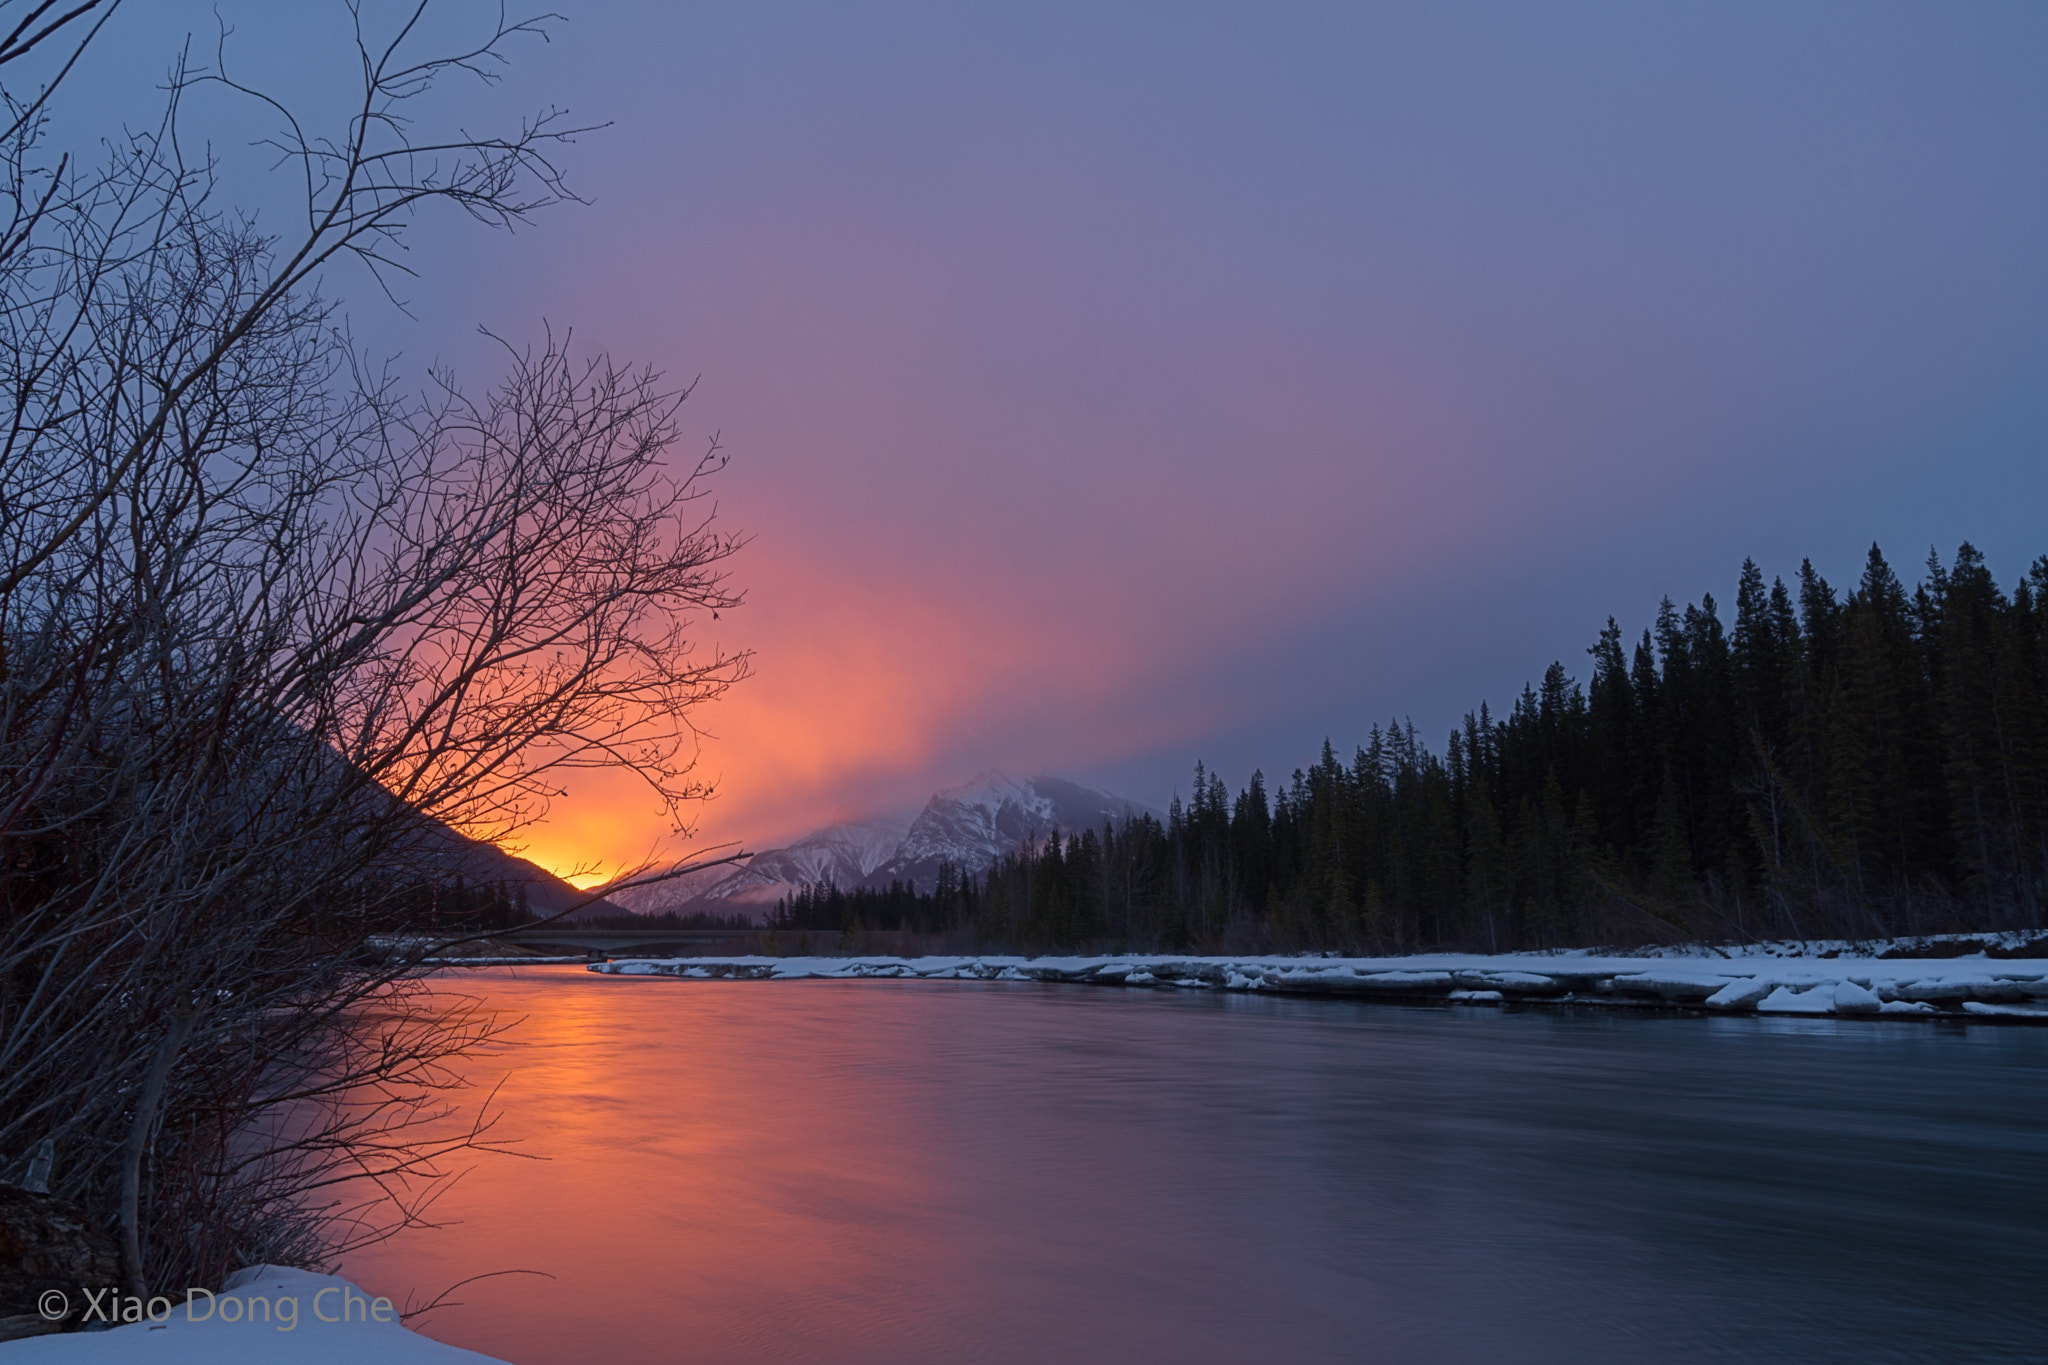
(940, 581)
(1063, 549)
(864, 697)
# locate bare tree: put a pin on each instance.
(268, 626)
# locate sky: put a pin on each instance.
(1110, 386)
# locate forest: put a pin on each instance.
(1840, 765)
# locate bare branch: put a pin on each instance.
(273, 630)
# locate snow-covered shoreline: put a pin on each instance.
(1855, 981)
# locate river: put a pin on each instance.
(918, 1171)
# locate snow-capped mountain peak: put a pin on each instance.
(843, 854)
(968, 826)
(993, 789)
(971, 825)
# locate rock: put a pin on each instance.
(48, 1243)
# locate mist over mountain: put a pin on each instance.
(844, 854)
(967, 826)
(970, 826)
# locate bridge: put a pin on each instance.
(636, 942)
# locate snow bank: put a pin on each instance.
(265, 1315)
(1760, 982)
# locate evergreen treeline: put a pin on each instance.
(464, 905)
(900, 905)
(1856, 765)
(738, 921)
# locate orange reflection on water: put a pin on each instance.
(886, 1171)
(872, 1172)
(686, 1232)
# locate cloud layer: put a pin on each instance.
(1115, 385)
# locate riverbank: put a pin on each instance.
(1871, 980)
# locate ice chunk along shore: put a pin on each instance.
(1847, 986)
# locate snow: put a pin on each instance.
(1800, 999)
(993, 789)
(283, 1317)
(1978, 1007)
(843, 854)
(1739, 994)
(968, 826)
(1673, 985)
(1511, 981)
(994, 814)
(1762, 980)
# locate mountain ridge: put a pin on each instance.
(969, 826)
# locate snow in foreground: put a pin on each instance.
(1756, 981)
(303, 1319)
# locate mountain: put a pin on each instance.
(971, 825)
(679, 894)
(486, 863)
(968, 826)
(844, 854)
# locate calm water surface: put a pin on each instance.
(906, 1172)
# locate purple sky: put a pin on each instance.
(1113, 385)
